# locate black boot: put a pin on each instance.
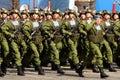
(53, 67)
(23, 68)
(1, 73)
(20, 71)
(111, 69)
(102, 74)
(59, 70)
(79, 70)
(40, 70)
(3, 68)
(95, 68)
(72, 66)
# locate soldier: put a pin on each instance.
(95, 37)
(85, 42)
(82, 15)
(69, 25)
(110, 39)
(8, 29)
(48, 28)
(32, 39)
(3, 43)
(23, 46)
(66, 16)
(41, 17)
(115, 18)
(116, 29)
(74, 25)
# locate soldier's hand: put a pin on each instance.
(70, 34)
(30, 37)
(12, 35)
(51, 36)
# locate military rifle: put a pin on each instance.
(56, 30)
(18, 30)
(35, 31)
(2, 24)
(73, 30)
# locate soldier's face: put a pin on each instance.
(66, 16)
(72, 16)
(98, 21)
(107, 16)
(48, 17)
(14, 16)
(116, 16)
(82, 16)
(35, 16)
(56, 16)
(4, 16)
(88, 15)
(23, 16)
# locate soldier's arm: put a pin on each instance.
(81, 29)
(64, 31)
(117, 31)
(26, 30)
(46, 29)
(5, 30)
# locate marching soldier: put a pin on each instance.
(22, 44)
(95, 35)
(74, 27)
(116, 29)
(3, 43)
(85, 42)
(34, 42)
(48, 29)
(68, 40)
(8, 29)
(110, 39)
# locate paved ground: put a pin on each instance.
(52, 75)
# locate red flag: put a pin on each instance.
(114, 8)
(48, 7)
(28, 7)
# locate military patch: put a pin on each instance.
(98, 27)
(35, 24)
(72, 23)
(89, 21)
(107, 23)
(15, 23)
(55, 23)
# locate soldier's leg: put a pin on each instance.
(23, 48)
(36, 53)
(17, 57)
(96, 51)
(1, 72)
(109, 56)
(5, 47)
(93, 55)
(59, 48)
(1, 60)
(55, 55)
(73, 55)
(115, 45)
(36, 58)
(45, 59)
(40, 48)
